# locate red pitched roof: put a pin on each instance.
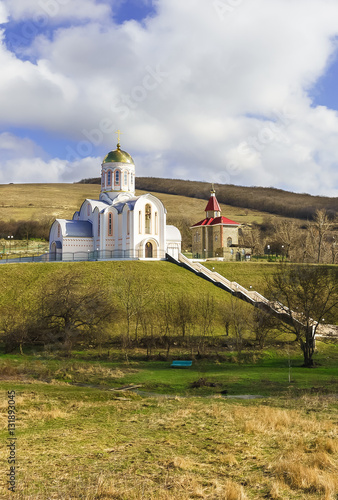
(212, 221)
(213, 205)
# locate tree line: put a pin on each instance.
(66, 313)
(271, 200)
(316, 241)
(26, 229)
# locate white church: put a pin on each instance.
(119, 225)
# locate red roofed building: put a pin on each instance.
(216, 236)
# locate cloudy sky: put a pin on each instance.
(231, 91)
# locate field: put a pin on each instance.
(33, 201)
(84, 441)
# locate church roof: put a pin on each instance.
(118, 156)
(213, 205)
(212, 221)
(173, 234)
(79, 229)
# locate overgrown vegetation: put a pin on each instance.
(170, 312)
(26, 229)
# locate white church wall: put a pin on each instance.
(144, 232)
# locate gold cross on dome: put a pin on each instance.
(118, 132)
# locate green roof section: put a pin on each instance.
(118, 156)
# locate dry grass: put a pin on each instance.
(76, 443)
(62, 200)
(71, 371)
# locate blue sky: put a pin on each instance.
(202, 90)
(325, 91)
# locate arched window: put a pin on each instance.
(59, 231)
(128, 222)
(98, 224)
(156, 223)
(117, 177)
(147, 222)
(110, 224)
(131, 178)
(229, 242)
(140, 222)
(109, 178)
(125, 178)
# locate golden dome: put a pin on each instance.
(118, 156)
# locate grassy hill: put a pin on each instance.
(40, 204)
(37, 201)
(269, 200)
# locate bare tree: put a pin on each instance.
(134, 294)
(205, 316)
(183, 313)
(17, 327)
(72, 312)
(251, 237)
(319, 229)
(304, 295)
(239, 318)
(287, 234)
(263, 326)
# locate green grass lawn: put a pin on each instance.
(267, 374)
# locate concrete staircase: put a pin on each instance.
(251, 296)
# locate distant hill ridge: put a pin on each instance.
(271, 200)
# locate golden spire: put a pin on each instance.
(118, 132)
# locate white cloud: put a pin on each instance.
(21, 160)
(57, 10)
(197, 94)
(3, 13)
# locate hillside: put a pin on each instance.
(27, 210)
(40, 201)
(270, 200)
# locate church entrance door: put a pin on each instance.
(149, 250)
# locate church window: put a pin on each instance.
(147, 225)
(131, 178)
(117, 177)
(109, 178)
(156, 223)
(140, 222)
(229, 242)
(110, 224)
(59, 231)
(98, 224)
(128, 222)
(216, 237)
(125, 178)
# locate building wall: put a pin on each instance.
(141, 221)
(213, 238)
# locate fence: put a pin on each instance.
(83, 256)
